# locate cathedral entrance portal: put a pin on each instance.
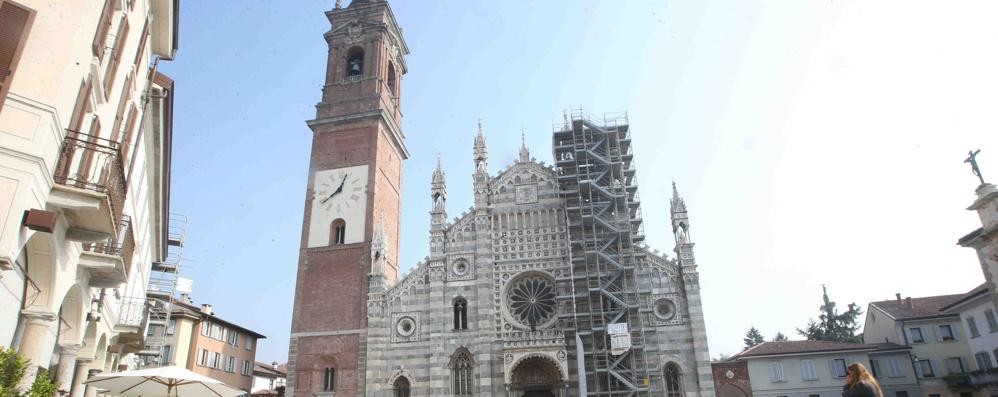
(537, 377)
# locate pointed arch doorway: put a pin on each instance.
(537, 377)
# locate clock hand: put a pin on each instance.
(338, 190)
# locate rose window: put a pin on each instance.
(531, 300)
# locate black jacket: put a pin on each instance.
(859, 389)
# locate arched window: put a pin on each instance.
(460, 313)
(392, 80)
(339, 231)
(462, 372)
(355, 62)
(329, 379)
(401, 387)
(673, 381)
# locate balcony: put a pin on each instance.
(90, 186)
(974, 380)
(129, 320)
(110, 262)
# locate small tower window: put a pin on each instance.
(355, 62)
(460, 314)
(329, 379)
(339, 231)
(401, 387)
(392, 81)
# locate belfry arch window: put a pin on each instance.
(355, 62)
(460, 314)
(329, 379)
(401, 387)
(339, 231)
(673, 380)
(392, 80)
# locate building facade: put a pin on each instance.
(269, 379)
(543, 287)
(85, 137)
(818, 368)
(199, 340)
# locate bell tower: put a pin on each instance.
(355, 172)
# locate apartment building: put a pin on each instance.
(85, 137)
(937, 338)
(197, 339)
(818, 368)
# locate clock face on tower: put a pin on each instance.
(339, 195)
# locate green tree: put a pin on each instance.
(831, 325)
(753, 337)
(780, 337)
(12, 369)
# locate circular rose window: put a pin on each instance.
(406, 326)
(460, 267)
(530, 299)
(665, 309)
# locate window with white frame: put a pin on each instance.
(249, 342)
(167, 354)
(212, 359)
(205, 326)
(839, 367)
(983, 361)
(955, 365)
(247, 368)
(946, 332)
(171, 326)
(807, 370)
(992, 321)
(925, 367)
(894, 368)
(231, 365)
(972, 326)
(776, 372)
(916, 335)
(875, 368)
(216, 332)
(203, 358)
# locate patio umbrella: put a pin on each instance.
(170, 381)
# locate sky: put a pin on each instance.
(815, 142)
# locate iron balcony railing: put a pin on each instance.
(93, 163)
(123, 245)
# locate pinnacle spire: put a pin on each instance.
(481, 151)
(438, 173)
(678, 204)
(524, 152)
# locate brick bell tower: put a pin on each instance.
(354, 184)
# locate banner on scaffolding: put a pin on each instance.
(620, 338)
(184, 285)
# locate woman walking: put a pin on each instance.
(860, 383)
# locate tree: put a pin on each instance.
(780, 337)
(831, 325)
(12, 369)
(753, 337)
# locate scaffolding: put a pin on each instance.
(597, 181)
(161, 293)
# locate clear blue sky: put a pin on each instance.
(816, 142)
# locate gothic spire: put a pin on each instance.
(438, 173)
(379, 247)
(678, 205)
(481, 151)
(524, 152)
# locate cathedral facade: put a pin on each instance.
(543, 287)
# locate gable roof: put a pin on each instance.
(921, 308)
(970, 295)
(810, 346)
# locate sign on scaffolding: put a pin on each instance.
(620, 338)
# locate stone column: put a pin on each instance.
(91, 391)
(67, 365)
(34, 343)
(81, 375)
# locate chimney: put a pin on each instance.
(206, 309)
(898, 295)
(273, 364)
(907, 302)
(185, 298)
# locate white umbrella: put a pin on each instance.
(162, 382)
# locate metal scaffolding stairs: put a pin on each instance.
(161, 291)
(597, 181)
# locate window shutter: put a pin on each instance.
(831, 369)
(13, 21)
(956, 330)
(103, 27)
